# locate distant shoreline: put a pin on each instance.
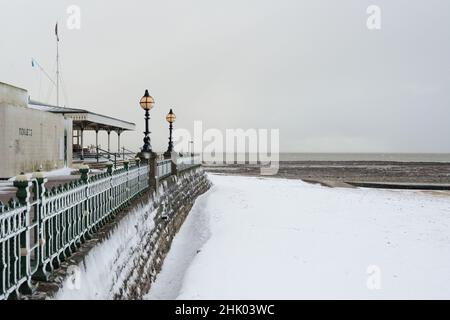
(341, 162)
(396, 172)
(370, 157)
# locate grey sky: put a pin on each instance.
(310, 68)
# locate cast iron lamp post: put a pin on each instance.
(170, 118)
(147, 103)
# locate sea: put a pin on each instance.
(395, 157)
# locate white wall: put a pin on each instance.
(29, 139)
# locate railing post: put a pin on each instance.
(138, 164)
(151, 157)
(126, 165)
(84, 172)
(153, 167)
(41, 274)
(23, 195)
(109, 169)
(86, 216)
(22, 184)
(174, 164)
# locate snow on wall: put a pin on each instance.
(107, 265)
(185, 246)
(127, 258)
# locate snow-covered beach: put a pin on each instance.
(263, 238)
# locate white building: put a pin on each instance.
(36, 136)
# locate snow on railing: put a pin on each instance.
(163, 168)
(14, 271)
(187, 161)
(36, 236)
(45, 227)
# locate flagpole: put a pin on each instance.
(57, 65)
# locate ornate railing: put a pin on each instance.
(163, 168)
(187, 161)
(37, 234)
(42, 228)
(15, 228)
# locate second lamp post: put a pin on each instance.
(147, 103)
(170, 118)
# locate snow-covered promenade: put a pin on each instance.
(268, 238)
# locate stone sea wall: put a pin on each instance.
(124, 258)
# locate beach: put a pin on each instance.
(408, 173)
(258, 238)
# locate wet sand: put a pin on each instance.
(406, 173)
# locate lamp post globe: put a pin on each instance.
(147, 102)
(170, 118)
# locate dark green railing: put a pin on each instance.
(187, 161)
(163, 168)
(38, 233)
(42, 228)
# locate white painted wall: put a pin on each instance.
(29, 139)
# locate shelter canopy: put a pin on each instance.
(86, 120)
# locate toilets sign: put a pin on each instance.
(25, 132)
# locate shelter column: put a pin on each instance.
(118, 141)
(96, 143)
(82, 145)
(109, 141)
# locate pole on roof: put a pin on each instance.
(57, 64)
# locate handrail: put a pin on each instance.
(37, 235)
(129, 153)
(187, 162)
(108, 153)
(101, 152)
(104, 151)
(45, 227)
(163, 168)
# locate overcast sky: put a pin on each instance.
(310, 68)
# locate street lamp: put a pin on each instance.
(147, 103)
(170, 118)
(191, 144)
